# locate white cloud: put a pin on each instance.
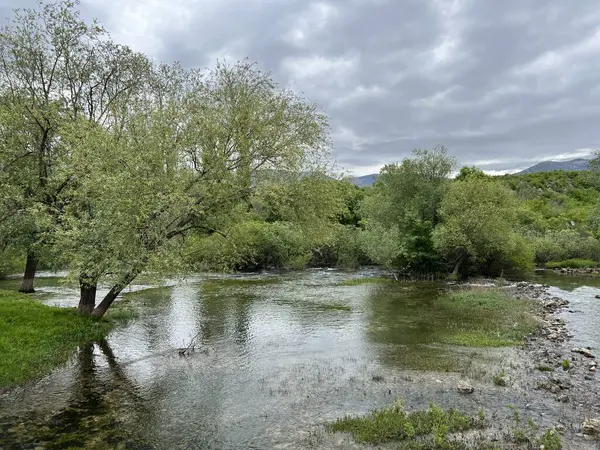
(310, 22)
(326, 69)
(358, 94)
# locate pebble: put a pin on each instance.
(465, 388)
(583, 351)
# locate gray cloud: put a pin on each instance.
(501, 84)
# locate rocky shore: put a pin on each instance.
(579, 271)
(568, 374)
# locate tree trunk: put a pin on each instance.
(109, 298)
(459, 262)
(30, 268)
(87, 296)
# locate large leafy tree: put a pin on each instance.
(403, 207)
(55, 69)
(478, 219)
(185, 158)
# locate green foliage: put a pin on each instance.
(572, 264)
(565, 364)
(553, 201)
(499, 379)
(551, 440)
(394, 424)
(565, 244)
(402, 209)
(250, 245)
(478, 227)
(34, 338)
(11, 261)
(472, 172)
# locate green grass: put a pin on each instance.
(551, 440)
(572, 264)
(396, 425)
(544, 368)
(366, 280)
(499, 379)
(484, 317)
(566, 364)
(34, 338)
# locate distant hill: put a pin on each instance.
(548, 166)
(577, 164)
(365, 180)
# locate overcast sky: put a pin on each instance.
(503, 84)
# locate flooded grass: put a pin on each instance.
(34, 338)
(333, 307)
(366, 280)
(396, 425)
(487, 318)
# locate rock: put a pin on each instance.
(588, 377)
(598, 296)
(591, 427)
(564, 398)
(560, 429)
(584, 351)
(465, 388)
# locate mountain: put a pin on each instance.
(365, 180)
(548, 166)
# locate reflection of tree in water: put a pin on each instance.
(97, 415)
(226, 313)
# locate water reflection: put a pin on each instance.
(100, 411)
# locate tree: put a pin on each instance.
(55, 69)
(478, 217)
(404, 202)
(184, 159)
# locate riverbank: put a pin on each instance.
(545, 375)
(35, 338)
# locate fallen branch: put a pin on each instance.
(185, 351)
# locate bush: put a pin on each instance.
(10, 263)
(251, 245)
(342, 249)
(565, 244)
(571, 264)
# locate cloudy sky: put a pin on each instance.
(503, 84)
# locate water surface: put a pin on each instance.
(277, 355)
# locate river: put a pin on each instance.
(278, 355)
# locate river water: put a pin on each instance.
(278, 355)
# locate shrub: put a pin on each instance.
(571, 264)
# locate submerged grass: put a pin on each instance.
(333, 307)
(35, 338)
(366, 280)
(483, 317)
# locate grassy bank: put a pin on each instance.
(34, 338)
(483, 317)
